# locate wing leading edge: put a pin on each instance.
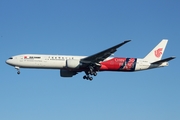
(101, 56)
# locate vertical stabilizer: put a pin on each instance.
(157, 53)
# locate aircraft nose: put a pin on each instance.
(7, 61)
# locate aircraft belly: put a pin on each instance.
(141, 67)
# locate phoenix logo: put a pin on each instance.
(158, 52)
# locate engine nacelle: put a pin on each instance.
(67, 73)
(72, 64)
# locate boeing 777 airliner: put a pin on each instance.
(101, 61)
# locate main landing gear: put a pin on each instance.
(18, 70)
(87, 77)
(91, 71)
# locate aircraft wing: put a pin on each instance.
(101, 56)
(163, 60)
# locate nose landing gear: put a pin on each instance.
(18, 70)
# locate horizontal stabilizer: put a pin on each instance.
(164, 60)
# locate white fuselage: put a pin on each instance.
(59, 61)
(101, 61)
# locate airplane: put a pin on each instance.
(102, 61)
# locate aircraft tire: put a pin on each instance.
(95, 73)
(90, 78)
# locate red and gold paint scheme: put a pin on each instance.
(119, 64)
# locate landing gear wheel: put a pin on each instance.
(18, 72)
(92, 71)
(95, 73)
(84, 77)
(90, 78)
(87, 77)
(18, 69)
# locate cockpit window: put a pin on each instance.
(10, 58)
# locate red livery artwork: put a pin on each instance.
(125, 64)
(158, 52)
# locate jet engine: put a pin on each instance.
(67, 73)
(72, 64)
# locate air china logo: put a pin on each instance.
(158, 52)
